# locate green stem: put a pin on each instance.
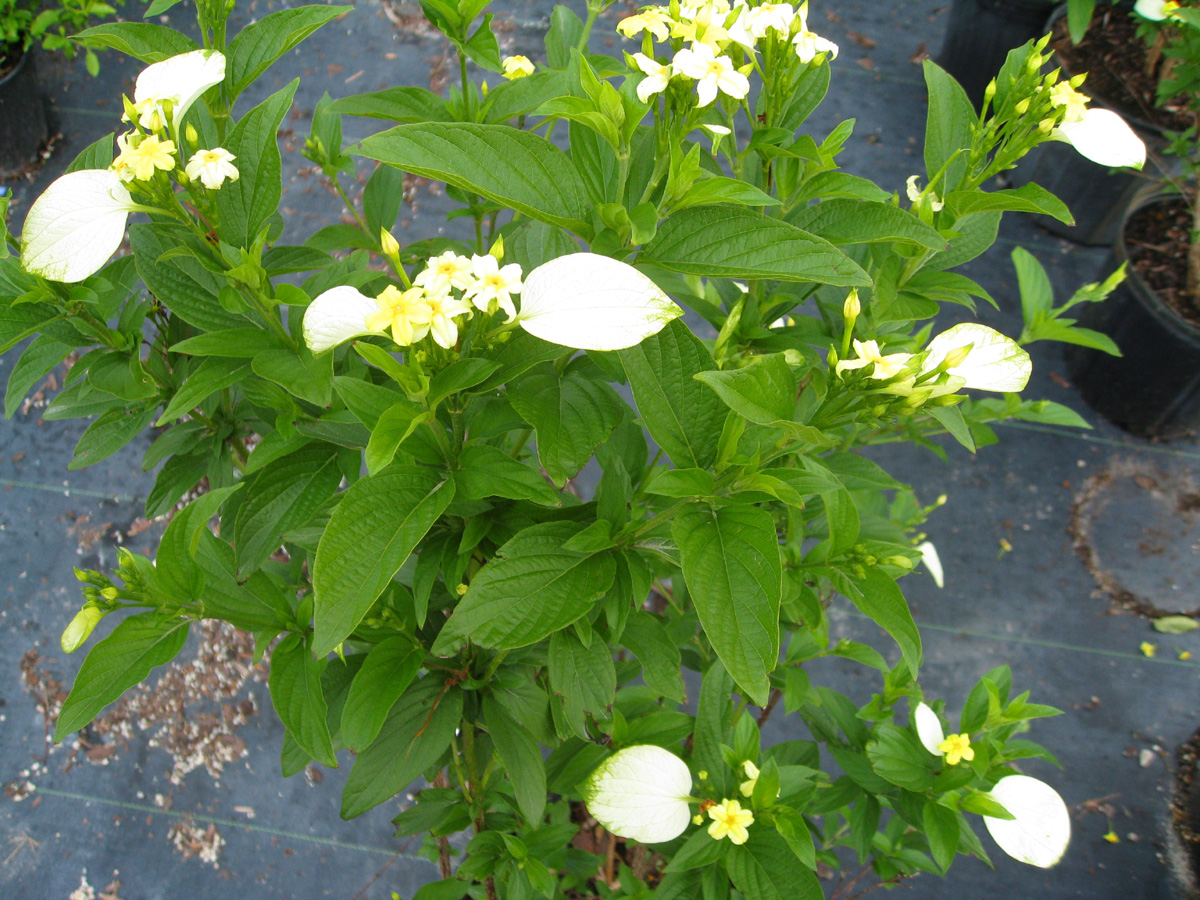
(362, 223)
(582, 45)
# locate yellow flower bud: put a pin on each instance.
(1023, 107)
(852, 307)
(110, 593)
(193, 136)
(461, 590)
(1046, 126)
(990, 91)
(81, 627)
(702, 775)
(956, 357)
(389, 245)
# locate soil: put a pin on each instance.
(1185, 813)
(1115, 59)
(1157, 238)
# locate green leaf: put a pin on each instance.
(397, 423)
(951, 418)
(1029, 198)
(698, 851)
(897, 755)
(295, 683)
(369, 536)
(382, 199)
(765, 868)
(141, 40)
(281, 498)
(298, 372)
(96, 155)
(529, 589)
(260, 43)
(572, 414)
(764, 391)
(1175, 624)
(385, 674)
(42, 355)
(417, 732)
(712, 713)
(108, 434)
(212, 375)
(941, 830)
(881, 600)
(136, 646)
(485, 471)
(1037, 294)
(1079, 16)
(649, 641)
(732, 569)
(522, 760)
(513, 168)
(947, 129)
(181, 283)
(584, 676)
(854, 221)
(407, 105)
(842, 519)
(682, 415)
(246, 204)
(460, 375)
(792, 828)
(976, 234)
(236, 343)
(731, 242)
(19, 321)
(719, 189)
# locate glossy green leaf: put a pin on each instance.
(385, 674)
(295, 684)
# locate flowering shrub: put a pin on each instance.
(435, 594)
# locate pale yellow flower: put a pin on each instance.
(143, 160)
(516, 67)
(493, 284)
(957, 747)
(868, 353)
(1070, 101)
(747, 787)
(449, 269)
(212, 167)
(443, 307)
(653, 19)
(658, 76)
(406, 313)
(711, 72)
(730, 820)
(808, 43)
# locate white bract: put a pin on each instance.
(76, 225)
(593, 302)
(1155, 10)
(1103, 137)
(994, 362)
(929, 729)
(933, 562)
(335, 316)
(1041, 829)
(180, 80)
(641, 793)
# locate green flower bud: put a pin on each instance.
(81, 627)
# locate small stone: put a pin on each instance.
(1146, 758)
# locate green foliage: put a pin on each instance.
(404, 523)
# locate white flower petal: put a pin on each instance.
(1150, 9)
(933, 562)
(1105, 138)
(641, 793)
(593, 302)
(75, 225)
(1042, 828)
(335, 316)
(180, 79)
(929, 728)
(995, 363)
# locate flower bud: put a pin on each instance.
(990, 91)
(852, 307)
(956, 357)
(1046, 126)
(110, 593)
(81, 627)
(193, 136)
(1023, 107)
(461, 590)
(389, 245)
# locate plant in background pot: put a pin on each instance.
(368, 449)
(25, 25)
(1154, 317)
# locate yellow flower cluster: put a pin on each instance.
(430, 306)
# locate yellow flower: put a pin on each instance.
(1186, 654)
(1112, 837)
(494, 284)
(142, 160)
(747, 787)
(212, 167)
(1072, 102)
(516, 67)
(1148, 649)
(730, 820)
(448, 269)
(149, 115)
(956, 747)
(869, 353)
(443, 307)
(652, 19)
(407, 314)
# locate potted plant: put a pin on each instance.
(353, 436)
(1183, 822)
(24, 25)
(1154, 317)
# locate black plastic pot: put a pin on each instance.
(981, 32)
(22, 117)
(1153, 389)
(1183, 825)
